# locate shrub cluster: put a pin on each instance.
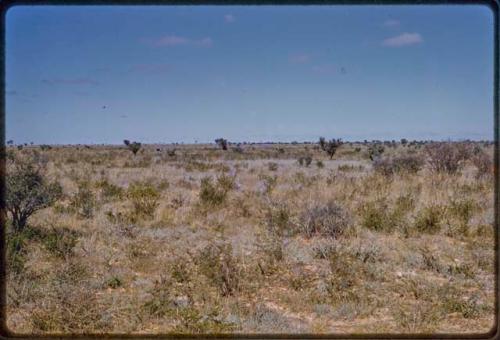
(305, 161)
(447, 157)
(409, 164)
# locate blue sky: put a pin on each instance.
(248, 73)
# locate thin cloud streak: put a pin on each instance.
(70, 81)
(404, 39)
(175, 40)
(391, 23)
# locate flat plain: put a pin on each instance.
(260, 238)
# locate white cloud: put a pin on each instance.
(229, 18)
(404, 39)
(174, 40)
(391, 23)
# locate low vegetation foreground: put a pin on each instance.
(328, 237)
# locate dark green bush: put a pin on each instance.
(27, 189)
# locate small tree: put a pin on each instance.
(222, 143)
(331, 146)
(27, 190)
(134, 146)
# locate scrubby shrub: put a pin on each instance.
(305, 161)
(218, 264)
(483, 163)
(15, 249)
(27, 190)
(45, 147)
(327, 219)
(272, 166)
(109, 191)
(320, 164)
(409, 164)
(238, 149)
(446, 157)
(83, 201)
(429, 219)
(375, 151)
(60, 241)
(271, 247)
(375, 216)
(331, 146)
(302, 179)
(215, 194)
(114, 282)
(268, 182)
(144, 198)
(278, 219)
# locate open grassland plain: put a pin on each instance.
(259, 238)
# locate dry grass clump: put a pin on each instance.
(213, 195)
(328, 219)
(218, 264)
(144, 198)
(83, 202)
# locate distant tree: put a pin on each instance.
(404, 141)
(331, 146)
(222, 143)
(134, 146)
(10, 142)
